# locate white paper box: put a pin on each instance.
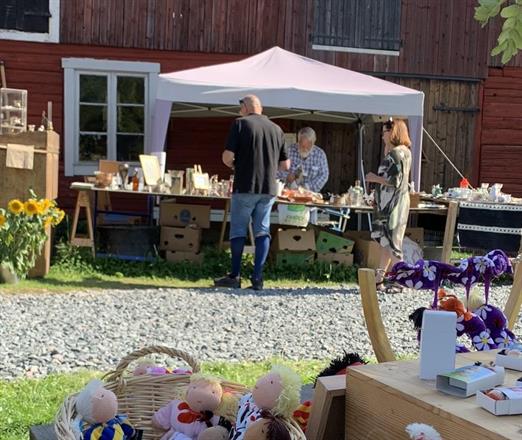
(482, 378)
(437, 345)
(502, 407)
(511, 362)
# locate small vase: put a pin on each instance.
(7, 276)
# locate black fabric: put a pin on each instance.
(258, 146)
(488, 220)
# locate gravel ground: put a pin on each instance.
(41, 334)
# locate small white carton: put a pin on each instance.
(511, 406)
(437, 344)
(466, 381)
(510, 357)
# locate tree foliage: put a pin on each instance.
(509, 41)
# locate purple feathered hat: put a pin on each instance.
(424, 274)
(483, 268)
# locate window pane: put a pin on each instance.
(129, 147)
(93, 118)
(93, 88)
(93, 147)
(131, 119)
(131, 90)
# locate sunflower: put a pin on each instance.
(2, 220)
(44, 205)
(31, 207)
(48, 221)
(59, 217)
(15, 206)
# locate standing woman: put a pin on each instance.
(392, 194)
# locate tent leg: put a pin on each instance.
(360, 170)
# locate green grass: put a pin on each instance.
(27, 402)
(74, 269)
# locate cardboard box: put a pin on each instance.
(180, 239)
(511, 362)
(415, 234)
(415, 199)
(511, 406)
(179, 256)
(331, 243)
(176, 214)
(295, 258)
(335, 258)
(432, 253)
(468, 380)
(367, 252)
(295, 240)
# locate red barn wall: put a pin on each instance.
(500, 154)
(37, 67)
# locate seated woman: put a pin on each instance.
(392, 198)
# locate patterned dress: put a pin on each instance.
(393, 201)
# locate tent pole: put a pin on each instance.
(360, 169)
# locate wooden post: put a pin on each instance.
(514, 302)
(372, 315)
(449, 233)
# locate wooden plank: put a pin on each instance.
(449, 232)
(514, 302)
(502, 136)
(372, 315)
(382, 399)
(327, 409)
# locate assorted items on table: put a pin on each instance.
(485, 325)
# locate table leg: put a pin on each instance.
(449, 233)
(83, 201)
(514, 302)
(224, 224)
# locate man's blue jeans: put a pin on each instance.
(245, 206)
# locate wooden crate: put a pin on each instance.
(43, 178)
(384, 398)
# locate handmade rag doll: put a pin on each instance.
(97, 417)
(277, 393)
(204, 407)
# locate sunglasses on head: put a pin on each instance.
(241, 101)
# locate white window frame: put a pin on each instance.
(53, 36)
(73, 68)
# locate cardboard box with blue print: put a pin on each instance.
(186, 239)
(468, 380)
(176, 214)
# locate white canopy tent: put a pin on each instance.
(290, 86)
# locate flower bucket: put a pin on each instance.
(7, 276)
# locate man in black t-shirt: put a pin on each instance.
(256, 151)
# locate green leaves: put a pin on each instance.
(510, 38)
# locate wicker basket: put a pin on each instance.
(139, 397)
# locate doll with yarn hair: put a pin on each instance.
(206, 406)
(97, 417)
(272, 402)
